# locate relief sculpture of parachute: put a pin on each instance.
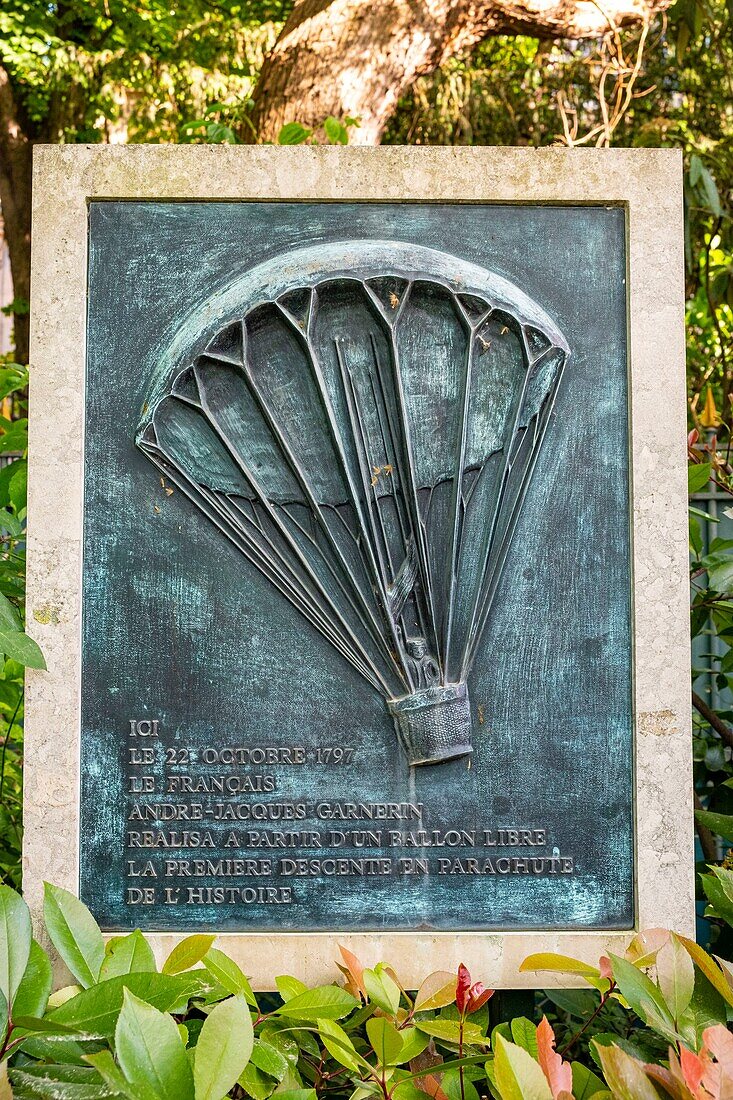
(362, 420)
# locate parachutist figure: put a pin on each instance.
(423, 668)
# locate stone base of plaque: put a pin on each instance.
(434, 724)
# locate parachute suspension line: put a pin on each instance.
(399, 486)
(403, 459)
(315, 615)
(482, 601)
(364, 613)
(336, 438)
(393, 569)
(541, 421)
(488, 541)
(256, 522)
(407, 478)
(453, 558)
(357, 434)
(291, 542)
(207, 502)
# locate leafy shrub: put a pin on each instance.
(16, 649)
(195, 1030)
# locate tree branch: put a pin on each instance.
(706, 838)
(15, 199)
(713, 720)
(357, 57)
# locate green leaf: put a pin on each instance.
(643, 996)
(127, 955)
(585, 1082)
(269, 1059)
(74, 933)
(524, 1034)
(710, 192)
(226, 972)
(223, 1049)
(296, 1094)
(150, 1051)
(676, 976)
(339, 1045)
(625, 1075)
(94, 1011)
(577, 1002)
(720, 904)
(695, 169)
(15, 941)
(696, 543)
(706, 1009)
(18, 488)
(58, 1082)
(562, 964)
(449, 1031)
(113, 1077)
(9, 616)
(386, 1040)
(4, 1016)
(293, 133)
(255, 1083)
(21, 648)
(381, 989)
(709, 968)
(336, 132)
(454, 1090)
(413, 1043)
(187, 953)
(289, 987)
(276, 1033)
(326, 1002)
(437, 991)
(698, 475)
(35, 987)
(720, 824)
(45, 1026)
(719, 567)
(518, 1076)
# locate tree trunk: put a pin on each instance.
(357, 57)
(16, 152)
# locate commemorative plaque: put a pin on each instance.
(360, 598)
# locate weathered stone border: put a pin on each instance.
(649, 184)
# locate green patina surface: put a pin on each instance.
(184, 624)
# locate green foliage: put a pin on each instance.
(18, 649)
(141, 1034)
(88, 71)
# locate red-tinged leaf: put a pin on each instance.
(670, 1079)
(355, 969)
(463, 986)
(349, 984)
(625, 1076)
(693, 1068)
(604, 965)
(559, 1074)
(478, 996)
(718, 1077)
(431, 1086)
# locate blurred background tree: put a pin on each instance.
(436, 72)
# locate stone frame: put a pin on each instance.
(648, 183)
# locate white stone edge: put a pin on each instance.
(649, 184)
